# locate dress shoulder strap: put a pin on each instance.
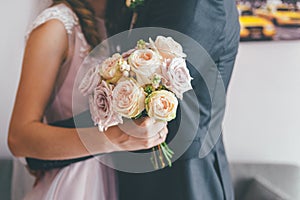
(61, 12)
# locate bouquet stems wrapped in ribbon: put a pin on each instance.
(146, 80)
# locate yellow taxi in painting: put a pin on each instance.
(254, 27)
(281, 14)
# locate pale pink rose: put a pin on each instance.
(176, 76)
(110, 68)
(90, 81)
(128, 98)
(162, 105)
(101, 108)
(144, 62)
(167, 47)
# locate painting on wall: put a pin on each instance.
(272, 20)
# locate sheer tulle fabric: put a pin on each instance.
(82, 180)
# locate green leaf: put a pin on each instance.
(135, 4)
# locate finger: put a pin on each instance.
(165, 123)
(147, 121)
(160, 136)
(156, 128)
(130, 127)
(163, 133)
(160, 140)
(165, 130)
(149, 142)
(156, 131)
(142, 121)
(160, 124)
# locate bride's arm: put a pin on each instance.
(28, 137)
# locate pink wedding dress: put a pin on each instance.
(87, 179)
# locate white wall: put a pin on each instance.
(14, 18)
(262, 120)
(263, 113)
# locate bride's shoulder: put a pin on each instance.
(60, 12)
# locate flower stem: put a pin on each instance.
(161, 153)
(154, 159)
(167, 156)
(161, 156)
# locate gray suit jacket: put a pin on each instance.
(214, 25)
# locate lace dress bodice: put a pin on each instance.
(60, 12)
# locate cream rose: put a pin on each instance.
(128, 98)
(110, 68)
(101, 108)
(167, 47)
(176, 76)
(144, 62)
(162, 105)
(90, 81)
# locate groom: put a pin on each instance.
(214, 25)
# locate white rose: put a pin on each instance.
(167, 47)
(144, 63)
(162, 105)
(128, 98)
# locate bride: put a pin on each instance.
(57, 42)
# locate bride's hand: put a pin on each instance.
(138, 134)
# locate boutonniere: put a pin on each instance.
(134, 5)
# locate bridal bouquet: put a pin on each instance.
(146, 80)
